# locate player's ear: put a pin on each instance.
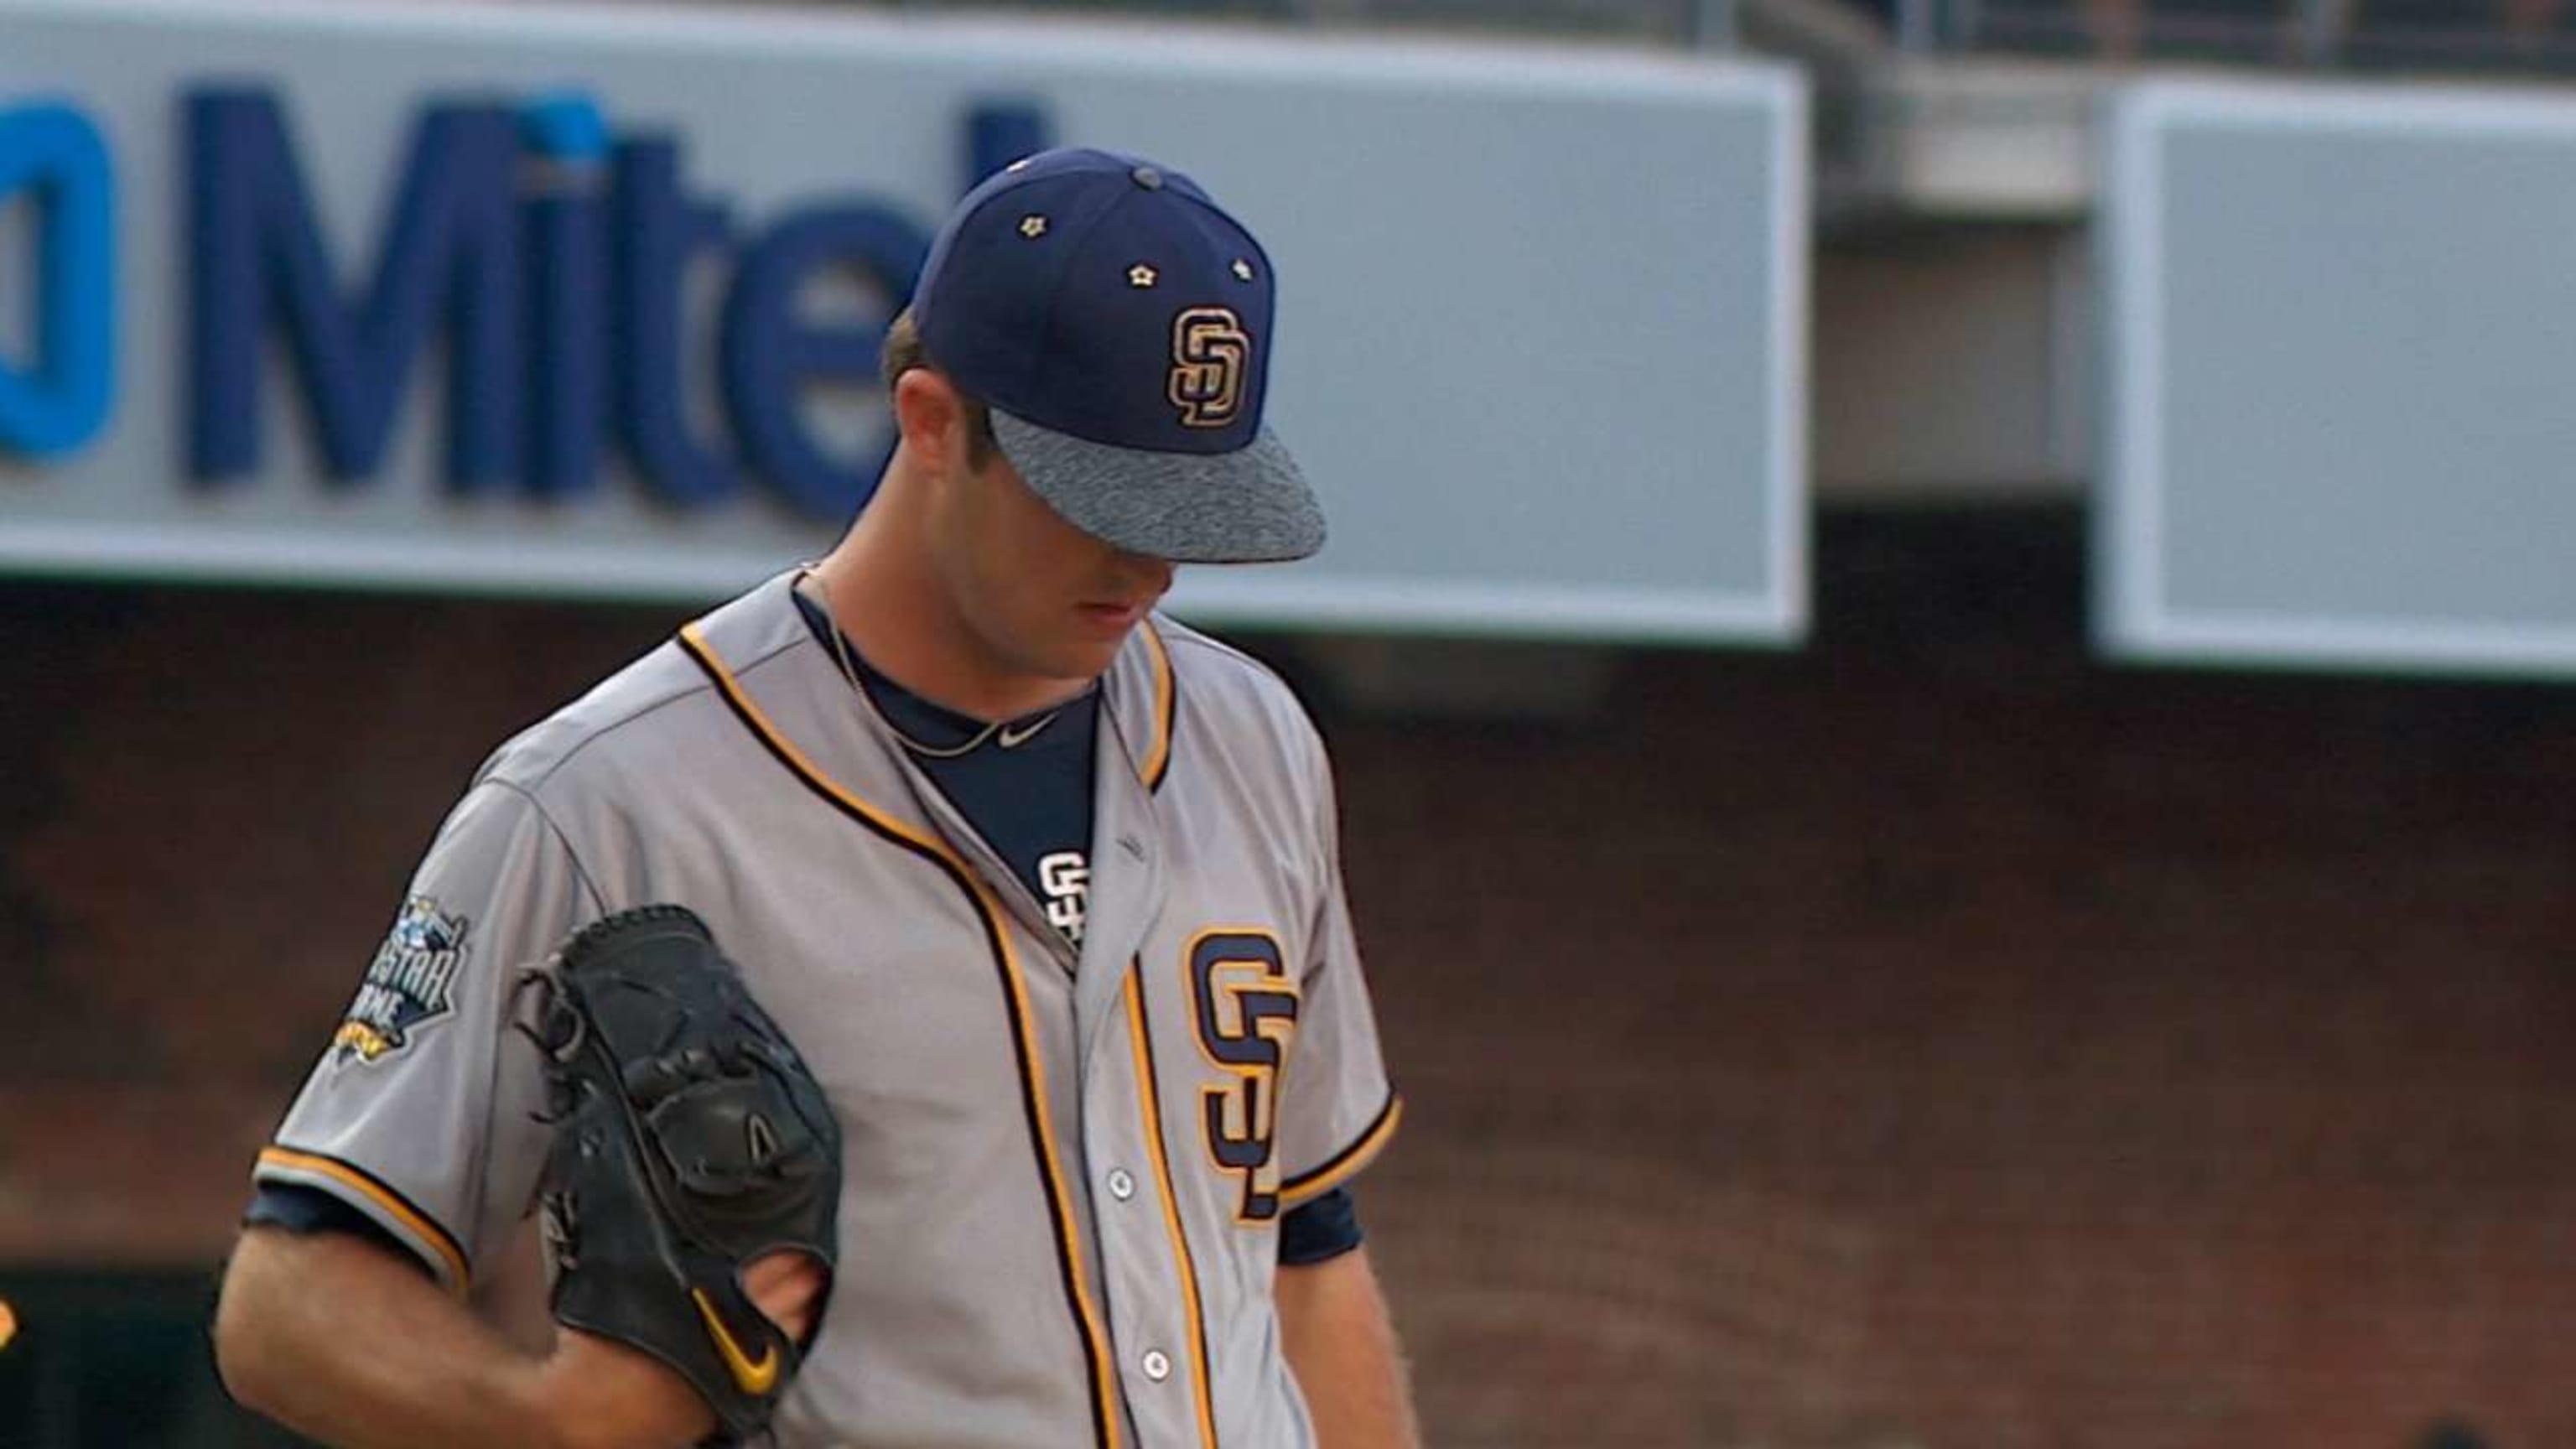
(932, 417)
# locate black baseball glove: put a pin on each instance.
(690, 1139)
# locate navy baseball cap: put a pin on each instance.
(1117, 321)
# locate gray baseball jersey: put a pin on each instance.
(1065, 1164)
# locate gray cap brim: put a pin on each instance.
(1248, 506)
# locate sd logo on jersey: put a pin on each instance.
(411, 982)
(1247, 1019)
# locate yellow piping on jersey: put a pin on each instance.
(1347, 1164)
(393, 1203)
(1158, 758)
(1149, 1093)
(1105, 1394)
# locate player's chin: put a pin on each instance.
(1091, 643)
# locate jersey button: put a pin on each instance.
(1158, 1365)
(1122, 1184)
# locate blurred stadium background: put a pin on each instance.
(2068, 947)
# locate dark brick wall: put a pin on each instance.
(1937, 1038)
(1931, 1037)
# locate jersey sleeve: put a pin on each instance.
(423, 1111)
(1337, 1109)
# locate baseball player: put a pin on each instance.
(1045, 887)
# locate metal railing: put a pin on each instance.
(2444, 35)
(1679, 22)
(2448, 35)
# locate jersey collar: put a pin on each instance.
(1139, 694)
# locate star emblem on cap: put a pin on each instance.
(1033, 226)
(1243, 269)
(1141, 275)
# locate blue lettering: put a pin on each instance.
(771, 357)
(659, 231)
(999, 133)
(564, 224)
(450, 253)
(555, 261)
(59, 399)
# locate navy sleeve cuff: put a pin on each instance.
(311, 1210)
(1319, 1230)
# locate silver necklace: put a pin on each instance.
(849, 671)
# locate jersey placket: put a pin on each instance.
(1120, 1178)
(1148, 1271)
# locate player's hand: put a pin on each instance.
(785, 1286)
(600, 1394)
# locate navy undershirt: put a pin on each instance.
(1032, 802)
(1027, 788)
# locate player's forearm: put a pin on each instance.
(1341, 1345)
(340, 1341)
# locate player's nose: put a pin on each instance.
(1145, 574)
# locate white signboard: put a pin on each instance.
(2341, 327)
(580, 301)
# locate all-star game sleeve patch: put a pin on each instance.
(410, 984)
